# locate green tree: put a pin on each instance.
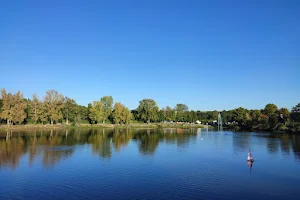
(117, 113)
(242, 116)
(147, 110)
(127, 115)
(161, 116)
(90, 106)
(28, 111)
(255, 116)
(82, 114)
(169, 113)
(284, 115)
(121, 114)
(273, 121)
(53, 105)
(270, 109)
(180, 111)
(295, 113)
(192, 116)
(96, 112)
(69, 110)
(107, 102)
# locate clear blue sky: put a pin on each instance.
(206, 54)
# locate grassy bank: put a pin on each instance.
(131, 125)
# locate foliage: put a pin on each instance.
(270, 109)
(168, 113)
(147, 110)
(36, 108)
(107, 102)
(96, 112)
(82, 114)
(117, 113)
(181, 110)
(295, 113)
(69, 110)
(54, 108)
(13, 108)
(53, 105)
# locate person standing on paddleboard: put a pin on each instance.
(250, 158)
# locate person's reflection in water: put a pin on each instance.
(250, 166)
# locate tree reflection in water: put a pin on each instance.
(53, 146)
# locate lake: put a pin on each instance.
(148, 164)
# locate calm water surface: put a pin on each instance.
(148, 164)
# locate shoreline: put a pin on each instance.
(113, 126)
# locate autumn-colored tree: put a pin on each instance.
(117, 113)
(36, 108)
(6, 106)
(121, 114)
(96, 112)
(127, 115)
(53, 104)
(107, 102)
(13, 109)
(44, 113)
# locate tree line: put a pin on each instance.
(55, 108)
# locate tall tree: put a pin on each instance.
(169, 113)
(121, 114)
(69, 110)
(53, 104)
(36, 108)
(13, 109)
(44, 113)
(107, 102)
(6, 106)
(127, 115)
(191, 116)
(19, 107)
(147, 110)
(180, 111)
(82, 114)
(117, 113)
(96, 112)
(161, 116)
(90, 106)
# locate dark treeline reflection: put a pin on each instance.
(52, 146)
